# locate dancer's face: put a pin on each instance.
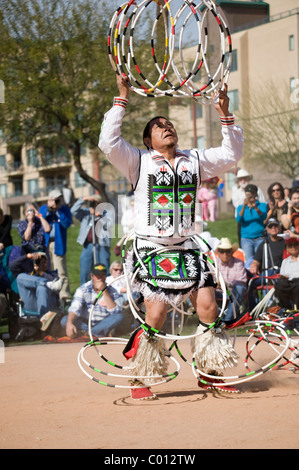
(162, 134)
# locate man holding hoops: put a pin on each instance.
(165, 182)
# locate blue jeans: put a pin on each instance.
(102, 328)
(250, 245)
(238, 291)
(36, 297)
(102, 255)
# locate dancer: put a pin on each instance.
(165, 182)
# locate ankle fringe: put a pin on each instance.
(213, 352)
(150, 359)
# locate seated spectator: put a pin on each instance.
(287, 286)
(116, 270)
(5, 229)
(251, 215)
(290, 220)
(38, 287)
(107, 314)
(275, 249)
(99, 251)
(234, 275)
(277, 204)
(32, 229)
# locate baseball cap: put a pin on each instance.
(99, 269)
(55, 194)
(251, 188)
(272, 221)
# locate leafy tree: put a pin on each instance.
(58, 79)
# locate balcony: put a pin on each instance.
(52, 163)
(15, 168)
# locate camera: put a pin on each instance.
(295, 203)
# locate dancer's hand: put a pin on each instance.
(123, 87)
(222, 103)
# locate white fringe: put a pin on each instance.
(213, 352)
(150, 359)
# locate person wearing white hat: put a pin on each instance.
(238, 190)
(234, 275)
(59, 216)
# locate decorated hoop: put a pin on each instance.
(126, 21)
(83, 364)
(237, 379)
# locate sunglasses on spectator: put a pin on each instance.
(221, 250)
(275, 189)
(272, 225)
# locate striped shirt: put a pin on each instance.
(83, 301)
(234, 272)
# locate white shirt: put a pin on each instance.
(127, 159)
(290, 268)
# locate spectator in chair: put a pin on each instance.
(107, 314)
(234, 275)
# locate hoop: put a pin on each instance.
(124, 22)
(120, 341)
(237, 379)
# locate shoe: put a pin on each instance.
(141, 393)
(208, 384)
(56, 285)
(47, 319)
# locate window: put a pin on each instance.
(32, 158)
(234, 60)
(79, 182)
(292, 84)
(198, 110)
(291, 42)
(233, 100)
(201, 142)
(3, 162)
(18, 187)
(33, 186)
(3, 190)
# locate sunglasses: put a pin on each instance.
(220, 250)
(273, 225)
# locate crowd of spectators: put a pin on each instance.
(36, 271)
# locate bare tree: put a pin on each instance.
(270, 120)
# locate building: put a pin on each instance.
(265, 42)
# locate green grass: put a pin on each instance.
(224, 227)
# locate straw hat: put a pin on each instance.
(225, 244)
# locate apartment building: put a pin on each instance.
(265, 41)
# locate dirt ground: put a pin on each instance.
(48, 403)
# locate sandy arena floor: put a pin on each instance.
(48, 403)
